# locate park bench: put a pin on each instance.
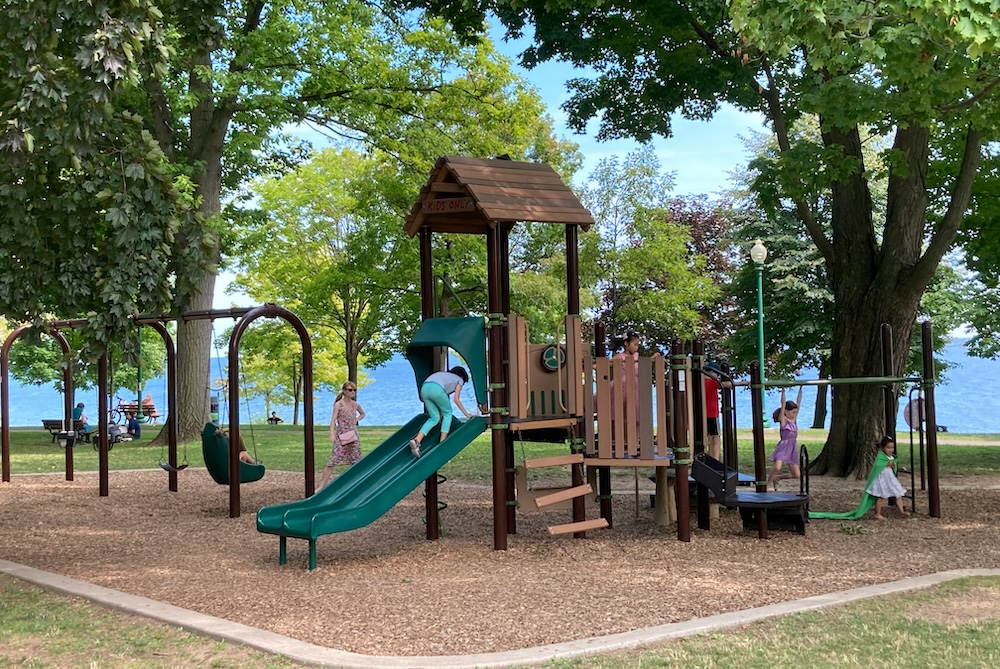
(55, 426)
(149, 411)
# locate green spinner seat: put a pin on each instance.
(215, 449)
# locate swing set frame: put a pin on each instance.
(244, 317)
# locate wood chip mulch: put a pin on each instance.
(385, 590)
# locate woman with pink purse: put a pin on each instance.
(344, 430)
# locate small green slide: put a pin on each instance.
(369, 488)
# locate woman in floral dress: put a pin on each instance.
(344, 431)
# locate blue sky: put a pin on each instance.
(700, 154)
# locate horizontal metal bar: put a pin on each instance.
(844, 381)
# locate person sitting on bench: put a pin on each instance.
(80, 419)
(148, 409)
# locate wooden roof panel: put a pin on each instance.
(470, 173)
(502, 190)
(499, 213)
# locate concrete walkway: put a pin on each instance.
(308, 653)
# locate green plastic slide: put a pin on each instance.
(369, 488)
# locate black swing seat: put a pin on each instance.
(215, 448)
(166, 466)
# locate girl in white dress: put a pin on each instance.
(886, 484)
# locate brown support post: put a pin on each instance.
(249, 315)
(69, 391)
(700, 436)
(431, 513)
(603, 473)
(5, 402)
(498, 395)
(682, 452)
(759, 462)
(573, 309)
(502, 374)
(5, 399)
(102, 422)
(171, 421)
(930, 413)
(888, 392)
(234, 419)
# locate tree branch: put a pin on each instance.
(161, 125)
(944, 236)
(780, 127)
(972, 100)
(708, 39)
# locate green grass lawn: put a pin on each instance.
(281, 447)
(41, 629)
(922, 628)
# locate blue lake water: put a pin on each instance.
(965, 402)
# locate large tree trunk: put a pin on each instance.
(858, 416)
(194, 346)
(873, 284)
(194, 338)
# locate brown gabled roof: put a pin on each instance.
(471, 195)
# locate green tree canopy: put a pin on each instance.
(91, 211)
(923, 72)
(637, 256)
(329, 245)
(127, 124)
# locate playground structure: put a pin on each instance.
(610, 414)
(549, 392)
(102, 444)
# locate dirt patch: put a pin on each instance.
(385, 590)
(974, 605)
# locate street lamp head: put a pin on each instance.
(758, 252)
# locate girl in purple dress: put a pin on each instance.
(787, 449)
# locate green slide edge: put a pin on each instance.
(372, 486)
